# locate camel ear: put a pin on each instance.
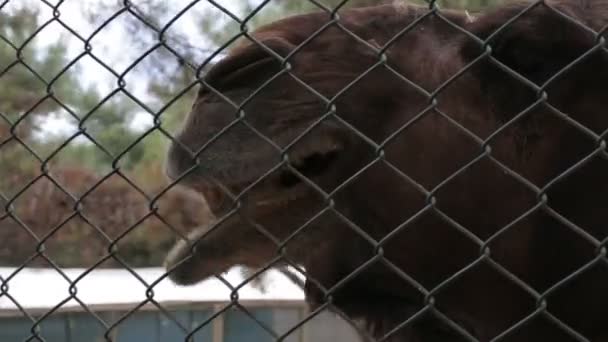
(251, 53)
(539, 39)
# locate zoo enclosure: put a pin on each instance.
(12, 136)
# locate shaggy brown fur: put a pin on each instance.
(419, 218)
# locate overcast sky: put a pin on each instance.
(110, 45)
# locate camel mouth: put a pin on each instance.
(191, 260)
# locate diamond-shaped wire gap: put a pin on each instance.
(178, 209)
(599, 44)
(137, 307)
(565, 328)
(115, 326)
(17, 186)
(5, 132)
(107, 126)
(469, 271)
(21, 233)
(289, 327)
(13, 176)
(44, 17)
(94, 81)
(461, 267)
(306, 43)
(465, 231)
(78, 26)
(321, 313)
(115, 207)
(53, 297)
(65, 43)
(307, 85)
(167, 39)
(92, 296)
(169, 314)
(543, 101)
(290, 330)
(60, 224)
(484, 257)
(560, 290)
(461, 171)
(254, 93)
(381, 51)
(205, 322)
(574, 172)
(12, 234)
(536, 322)
(243, 132)
(27, 104)
(296, 324)
(35, 330)
(192, 210)
(455, 327)
(409, 321)
(234, 303)
(497, 265)
(212, 226)
(250, 14)
(241, 116)
(328, 300)
(317, 311)
(379, 258)
(52, 133)
(542, 203)
(155, 94)
(506, 273)
(171, 46)
(176, 321)
(255, 10)
(18, 318)
(259, 324)
(7, 301)
(110, 54)
(178, 212)
(268, 12)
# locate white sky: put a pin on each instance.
(110, 46)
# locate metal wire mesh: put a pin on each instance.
(332, 110)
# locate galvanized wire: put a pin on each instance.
(331, 112)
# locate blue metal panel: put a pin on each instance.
(84, 327)
(52, 329)
(285, 319)
(239, 327)
(204, 334)
(141, 326)
(169, 331)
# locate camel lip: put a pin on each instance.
(196, 258)
(192, 260)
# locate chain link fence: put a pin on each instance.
(435, 175)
